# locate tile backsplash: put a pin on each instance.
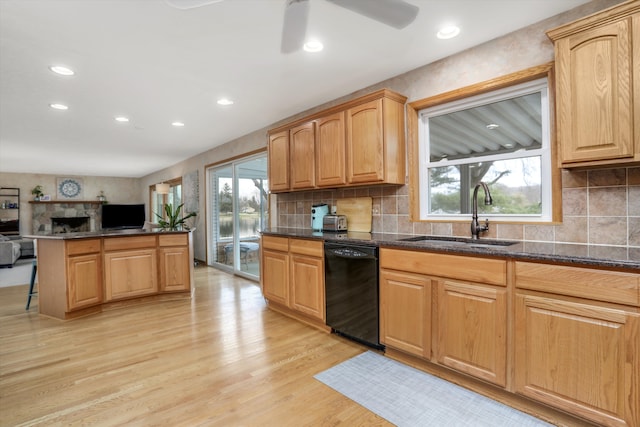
(600, 206)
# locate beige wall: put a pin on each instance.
(117, 190)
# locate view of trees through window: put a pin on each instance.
(252, 193)
(514, 184)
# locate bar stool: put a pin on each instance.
(34, 269)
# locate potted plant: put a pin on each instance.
(174, 221)
(37, 192)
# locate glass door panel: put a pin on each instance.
(238, 195)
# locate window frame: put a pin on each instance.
(544, 152)
(417, 194)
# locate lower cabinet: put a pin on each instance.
(130, 273)
(472, 329)
(457, 322)
(84, 273)
(405, 312)
(175, 263)
(293, 276)
(579, 355)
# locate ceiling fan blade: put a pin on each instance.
(190, 4)
(395, 13)
(294, 28)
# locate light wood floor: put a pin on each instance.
(219, 359)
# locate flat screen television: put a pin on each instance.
(116, 216)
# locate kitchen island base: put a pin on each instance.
(85, 273)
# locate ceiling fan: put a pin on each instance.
(395, 13)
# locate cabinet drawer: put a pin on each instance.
(119, 243)
(306, 247)
(275, 243)
(608, 286)
(484, 270)
(85, 246)
(173, 240)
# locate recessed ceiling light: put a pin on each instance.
(492, 126)
(59, 106)
(508, 145)
(122, 119)
(448, 32)
(313, 46)
(224, 101)
(177, 124)
(62, 70)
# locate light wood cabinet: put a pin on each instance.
(405, 312)
(356, 143)
(275, 276)
(293, 276)
(597, 97)
(472, 329)
(278, 161)
(579, 354)
(84, 273)
(77, 276)
(331, 151)
(130, 273)
(462, 325)
(302, 155)
(175, 262)
(375, 142)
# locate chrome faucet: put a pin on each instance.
(476, 228)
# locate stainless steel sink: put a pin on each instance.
(459, 241)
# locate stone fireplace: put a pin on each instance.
(65, 217)
(70, 225)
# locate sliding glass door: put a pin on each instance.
(237, 197)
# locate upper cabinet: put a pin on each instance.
(359, 142)
(279, 161)
(598, 88)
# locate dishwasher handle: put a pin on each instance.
(349, 253)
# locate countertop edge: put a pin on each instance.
(524, 251)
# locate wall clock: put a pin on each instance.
(69, 188)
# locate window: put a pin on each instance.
(158, 201)
(501, 138)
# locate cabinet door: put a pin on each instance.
(307, 286)
(84, 280)
(365, 143)
(472, 330)
(405, 312)
(278, 155)
(330, 151)
(275, 276)
(578, 357)
(302, 156)
(130, 273)
(174, 269)
(594, 95)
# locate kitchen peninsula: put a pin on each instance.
(82, 273)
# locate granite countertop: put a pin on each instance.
(579, 254)
(102, 233)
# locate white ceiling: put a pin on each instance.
(157, 64)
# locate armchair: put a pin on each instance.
(9, 252)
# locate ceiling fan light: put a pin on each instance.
(313, 46)
(62, 70)
(448, 32)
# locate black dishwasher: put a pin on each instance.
(351, 283)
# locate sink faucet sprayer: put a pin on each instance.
(476, 228)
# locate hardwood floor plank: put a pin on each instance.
(219, 358)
